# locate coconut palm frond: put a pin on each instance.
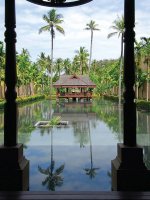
(60, 29)
(43, 171)
(111, 34)
(52, 15)
(45, 18)
(45, 181)
(59, 16)
(44, 28)
(60, 169)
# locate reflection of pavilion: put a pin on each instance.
(75, 112)
(79, 116)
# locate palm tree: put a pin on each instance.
(82, 55)
(138, 57)
(43, 64)
(92, 27)
(146, 54)
(53, 21)
(118, 26)
(58, 66)
(67, 66)
(75, 69)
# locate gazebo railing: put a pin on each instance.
(74, 95)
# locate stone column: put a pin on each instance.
(128, 169)
(14, 168)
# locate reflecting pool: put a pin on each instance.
(76, 157)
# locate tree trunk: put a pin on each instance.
(90, 59)
(52, 46)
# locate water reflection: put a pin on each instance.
(86, 147)
(79, 116)
(146, 150)
(91, 172)
(111, 114)
(53, 176)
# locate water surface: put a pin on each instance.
(77, 157)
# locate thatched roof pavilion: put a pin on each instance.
(75, 81)
(74, 86)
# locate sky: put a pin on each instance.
(103, 12)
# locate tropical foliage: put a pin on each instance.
(34, 77)
(118, 27)
(142, 55)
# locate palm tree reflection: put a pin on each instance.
(81, 133)
(53, 176)
(91, 172)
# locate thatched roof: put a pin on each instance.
(74, 81)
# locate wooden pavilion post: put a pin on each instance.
(128, 169)
(14, 168)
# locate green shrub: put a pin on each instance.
(54, 121)
(142, 104)
(111, 97)
(53, 97)
(22, 100)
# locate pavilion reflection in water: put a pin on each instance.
(75, 112)
(79, 115)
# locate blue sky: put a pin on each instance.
(103, 12)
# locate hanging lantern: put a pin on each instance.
(59, 3)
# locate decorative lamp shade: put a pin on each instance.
(59, 3)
